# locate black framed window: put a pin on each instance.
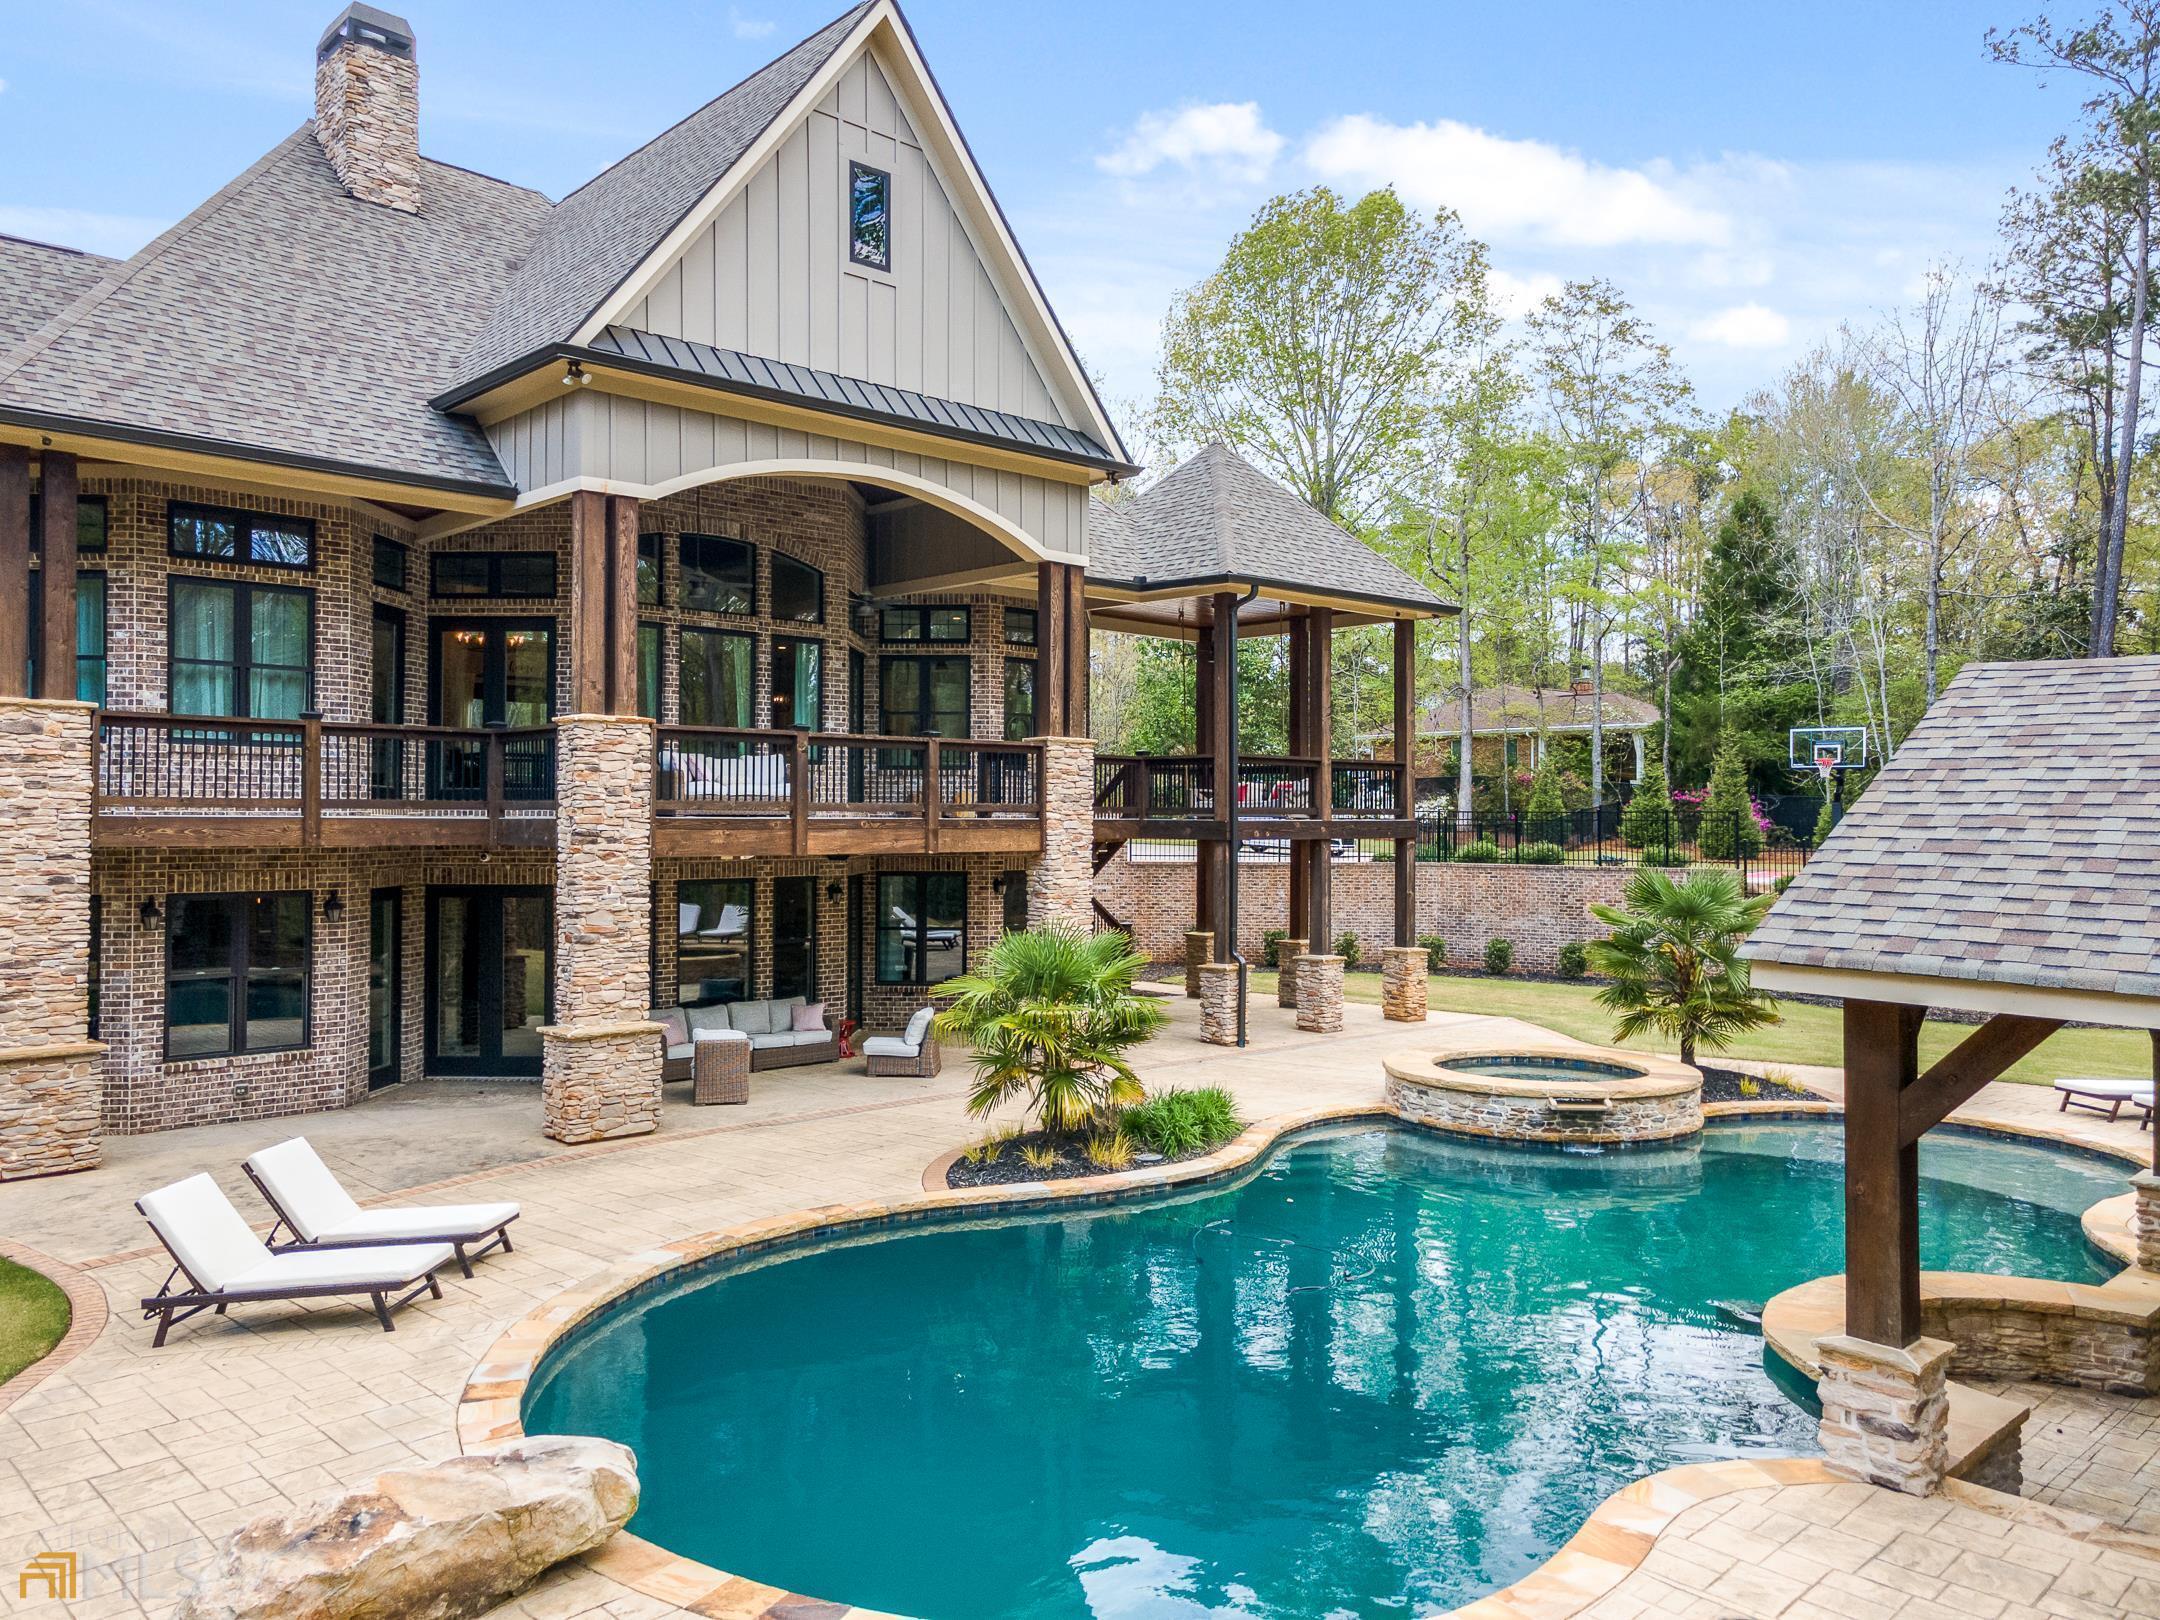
(925, 697)
(712, 941)
(718, 678)
(921, 927)
(946, 626)
(238, 649)
(228, 534)
(386, 672)
(518, 574)
(648, 570)
(869, 216)
(1019, 699)
(794, 938)
(715, 574)
(648, 671)
(93, 524)
(798, 591)
(1020, 627)
(1015, 899)
(392, 563)
(236, 973)
(798, 684)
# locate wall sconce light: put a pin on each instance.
(832, 891)
(997, 885)
(149, 913)
(333, 906)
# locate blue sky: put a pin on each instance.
(1750, 176)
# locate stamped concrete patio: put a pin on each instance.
(139, 1461)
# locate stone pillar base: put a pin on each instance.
(1287, 951)
(1885, 1416)
(1402, 983)
(1218, 1003)
(50, 1102)
(2145, 1220)
(1199, 951)
(599, 1081)
(1319, 993)
(1061, 885)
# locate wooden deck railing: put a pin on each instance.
(1181, 788)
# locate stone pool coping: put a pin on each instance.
(1653, 1076)
(1595, 1559)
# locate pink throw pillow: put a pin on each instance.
(810, 1020)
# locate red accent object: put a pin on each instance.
(848, 1027)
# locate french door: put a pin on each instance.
(386, 1013)
(490, 970)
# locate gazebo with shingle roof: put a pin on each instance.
(2005, 862)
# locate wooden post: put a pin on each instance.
(1050, 602)
(57, 501)
(1076, 651)
(1406, 779)
(1204, 691)
(1882, 1175)
(14, 570)
(1300, 886)
(1320, 730)
(933, 794)
(588, 602)
(311, 779)
(1225, 755)
(621, 604)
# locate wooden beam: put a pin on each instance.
(1319, 733)
(1882, 1174)
(1078, 653)
(57, 500)
(1050, 604)
(14, 571)
(1204, 692)
(1222, 702)
(1299, 893)
(1979, 1058)
(620, 641)
(588, 602)
(1406, 778)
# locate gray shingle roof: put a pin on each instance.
(1217, 520)
(605, 229)
(732, 370)
(2013, 838)
(285, 317)
(38, 281)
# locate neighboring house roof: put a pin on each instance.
(1216, 522)
(37, 282)
(599, 234)
(284, 318)
(2014, 838)
(1501, 709)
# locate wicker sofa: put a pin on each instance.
(774, 1043)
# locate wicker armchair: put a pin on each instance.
(913, 1054)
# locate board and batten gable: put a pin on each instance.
(595, 439)
(770, 275)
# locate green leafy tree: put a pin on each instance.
(1647, 822)
(1051, 1017)
(1673, 959)
(1546, 798)
(1728, 830)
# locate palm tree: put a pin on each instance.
(1051, 1017)
(1674, 959)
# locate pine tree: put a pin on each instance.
(1728, 830)
(1647, 821)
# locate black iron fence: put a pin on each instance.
(1617, 835)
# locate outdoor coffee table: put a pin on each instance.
(720, 1067)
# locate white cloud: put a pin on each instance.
(1744, 326)
(1516, 296)
(748, 27)
(115, 235)
(1228, 139)
(1514, 190)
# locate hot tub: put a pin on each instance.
(1548, 1093)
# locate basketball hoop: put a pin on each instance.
(1827, 761)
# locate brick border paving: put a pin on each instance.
(87, 1315)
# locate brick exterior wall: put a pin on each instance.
(1537, 908)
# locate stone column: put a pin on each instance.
(1885, 1416)
(1402, 983)
(600, 1069)
(2145, 1220)
(1218, 1003)
(1287, 952)
(1061, 886)
(1319, 993)
(1199, 951)
(50, 1077)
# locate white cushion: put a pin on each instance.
(425, 1220)
(704, 1035)
(796, 1037)
(2125, 1089)
(342, 1268)
(302, 1188)
(197, 1222)
(918, 1027)
(889, 1046)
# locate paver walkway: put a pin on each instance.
(141, 1460)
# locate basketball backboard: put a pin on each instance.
(1828, 748)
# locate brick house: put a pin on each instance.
(459, 621)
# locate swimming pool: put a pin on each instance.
(1555, 1070)
(1389, 1372)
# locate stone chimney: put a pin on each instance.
(367, 106)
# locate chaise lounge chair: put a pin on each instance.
(227, 1264)
(311, 1202)
(2109, 1097)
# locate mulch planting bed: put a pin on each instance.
(1725, 1085)
(1008, 1167)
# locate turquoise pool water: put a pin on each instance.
(1389, 1373)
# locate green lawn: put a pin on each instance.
(1807, 1034)
(33, 1316)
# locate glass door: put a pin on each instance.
(490, 980)
(385, 987)
(485, 672)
